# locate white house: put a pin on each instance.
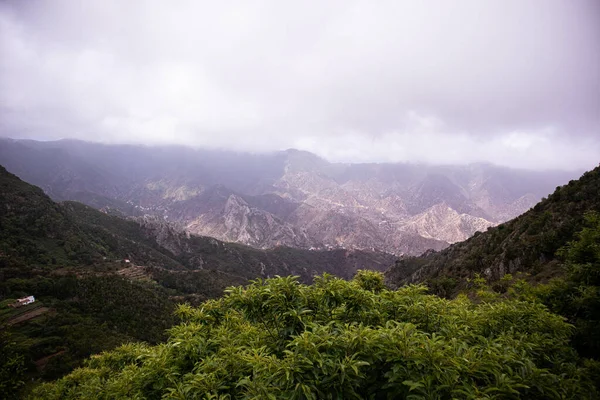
(24, 301)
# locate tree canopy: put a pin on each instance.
(337, 339)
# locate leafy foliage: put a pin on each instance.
(576, 296)
(12, 367)
(278, 338)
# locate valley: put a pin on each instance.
(103, 279)
(100, 280)
(299, 200)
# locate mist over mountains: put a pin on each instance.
(299, 200)
(291, 198)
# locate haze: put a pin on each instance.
(514, 83)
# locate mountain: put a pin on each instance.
(289, 198)
(100, 280)
(39, 232)
(442, 222)
(528, 243)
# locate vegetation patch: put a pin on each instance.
(337, 339)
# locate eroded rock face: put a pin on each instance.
(442, 222)
(291, 198)
(314, 205)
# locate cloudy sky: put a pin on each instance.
(510, 82)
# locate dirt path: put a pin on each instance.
(27, 316)
(41, 363)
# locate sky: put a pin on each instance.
(510, 82)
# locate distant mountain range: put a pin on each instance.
(39, 232)
(290, 198)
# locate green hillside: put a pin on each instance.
(81, 308)
(528, 243)
(549, 255)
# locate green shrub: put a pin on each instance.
(279, 339)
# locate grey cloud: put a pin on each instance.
(511, 82)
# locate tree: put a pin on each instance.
(279, 339)
(577, 296)
(12, 367)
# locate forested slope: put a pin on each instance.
(528, 243)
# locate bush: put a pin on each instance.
(334, 339)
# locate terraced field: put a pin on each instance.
(137, 272)
(12, 316)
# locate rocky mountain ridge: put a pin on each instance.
(291, 198)
(39, 232)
